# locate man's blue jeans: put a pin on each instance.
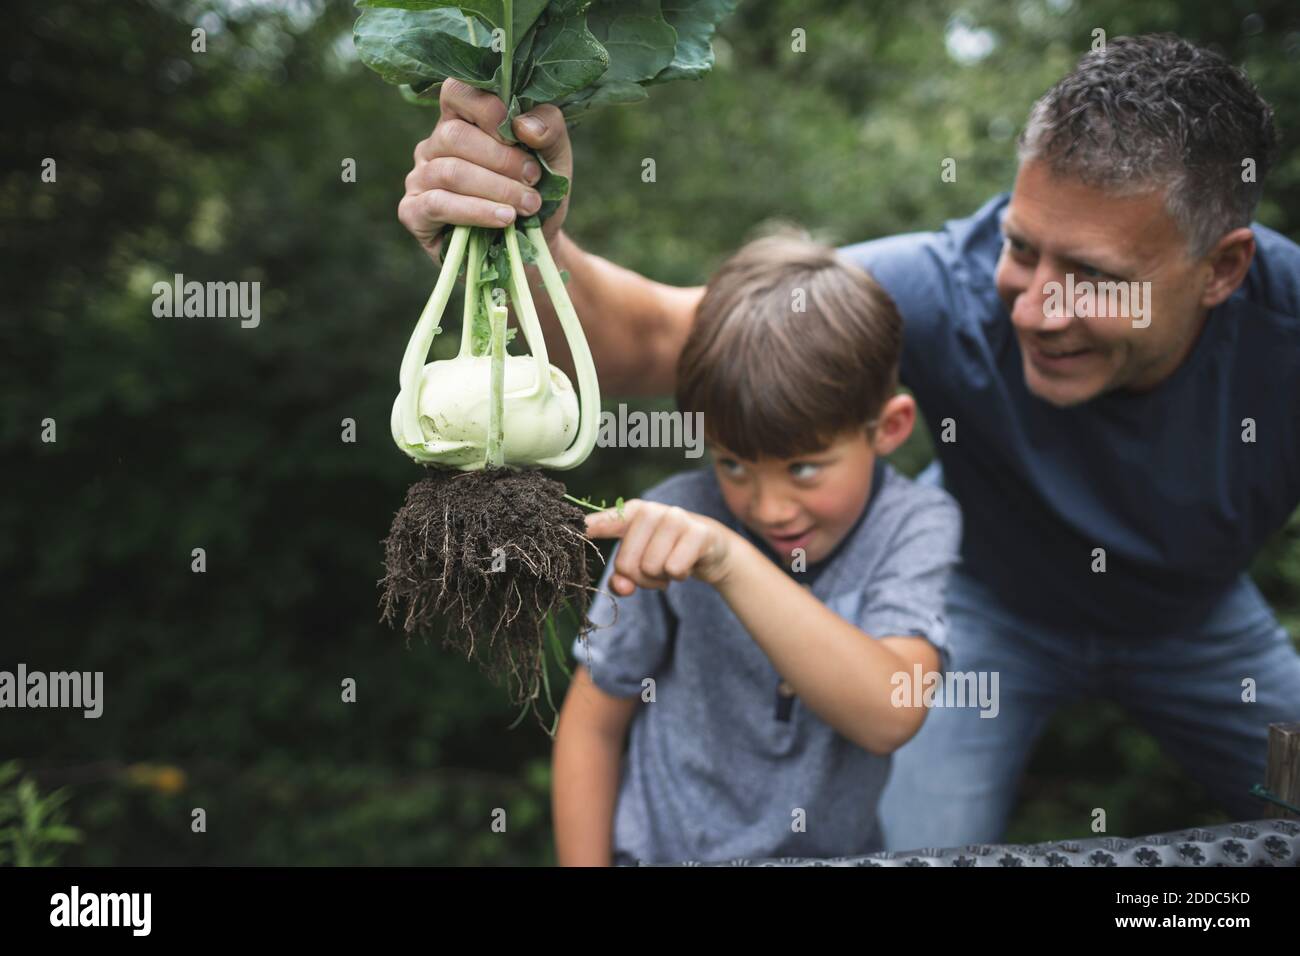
(955, 782)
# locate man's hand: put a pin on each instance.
(466, 175)
(662, 544)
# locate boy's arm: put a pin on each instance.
(844, 675)
(839, 672)
(585, 771)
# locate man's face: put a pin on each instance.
(809, 502)
(1056, 226)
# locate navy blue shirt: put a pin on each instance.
(1161, 480)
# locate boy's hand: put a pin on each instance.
(662, 544)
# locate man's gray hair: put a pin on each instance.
(1156, 111)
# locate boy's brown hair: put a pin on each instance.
(773, 381)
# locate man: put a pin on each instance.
(1110, 361)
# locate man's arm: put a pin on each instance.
(634, 326)
(585, 767)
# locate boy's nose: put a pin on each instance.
(773, 510)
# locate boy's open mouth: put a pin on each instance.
(788, 542)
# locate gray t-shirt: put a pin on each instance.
(721, 763)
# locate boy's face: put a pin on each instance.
(809, 502)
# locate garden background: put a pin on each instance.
(223, 688)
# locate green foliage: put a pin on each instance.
(573, 53)
(33, 828)
(175, 434)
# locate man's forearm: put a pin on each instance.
(634, 326)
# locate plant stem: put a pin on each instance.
(417, 349)
(496, 444)
(584, 503)
(526, 313)
(473, 265)
(508, 54)
(587, 383)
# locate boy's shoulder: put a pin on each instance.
(900, 493)
(906, 520)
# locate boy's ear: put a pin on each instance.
(897, 419)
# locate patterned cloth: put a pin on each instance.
(1258, 843)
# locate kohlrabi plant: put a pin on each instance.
(485, 544)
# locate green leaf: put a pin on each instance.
(375, 30)
(557, 647)
(506, 129)
(695, 22)
(450, 56)
(523, 14)
(61, 834)
(527, 251)
(522, 65)
(639, 41)
(552, 187)
(573, 53)
(425, 95)
(566, 58)
(607, 94)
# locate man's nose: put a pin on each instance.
(1046, 304)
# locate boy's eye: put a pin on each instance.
(731, 467)
(804, 469)
(1017, 246)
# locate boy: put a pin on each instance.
(768, 608)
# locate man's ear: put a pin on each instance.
(897, 419)
(1228, 262)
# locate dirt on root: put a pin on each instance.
(486, 556)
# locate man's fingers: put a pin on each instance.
(424, 213)
(459, 176)
(461, 101)
(460, 138)
(544, 130)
